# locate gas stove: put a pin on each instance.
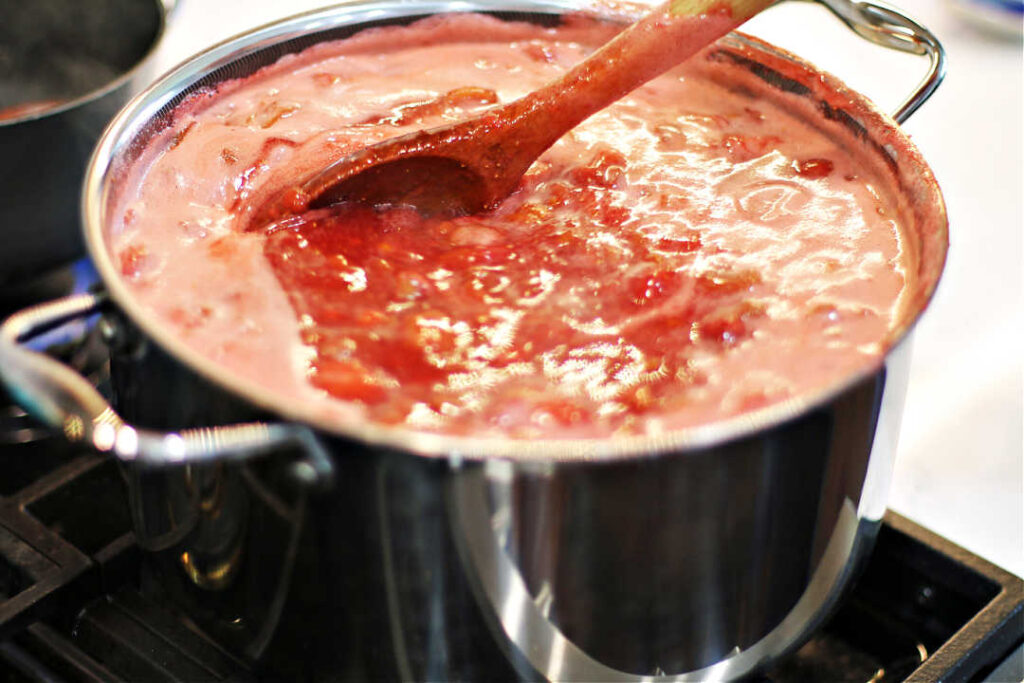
(80, 602)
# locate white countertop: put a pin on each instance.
(959, 468)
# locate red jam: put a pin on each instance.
(695, 251)
(407, 313)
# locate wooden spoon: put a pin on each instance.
(470, 166)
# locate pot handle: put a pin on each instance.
(65, 401)
(168, 7)
(889, 27)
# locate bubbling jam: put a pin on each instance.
(695, 251)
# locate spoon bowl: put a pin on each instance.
(470, 166)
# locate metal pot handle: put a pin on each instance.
(65, 401)
(889, 27)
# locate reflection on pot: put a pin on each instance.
(214, 549)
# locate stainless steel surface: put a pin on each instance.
(524, 614)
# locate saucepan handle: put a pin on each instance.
(888, 26)
(168, 8)
(65, 401)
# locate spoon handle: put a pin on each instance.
(741, 9)
(663, 38)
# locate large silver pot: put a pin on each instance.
(356, 551)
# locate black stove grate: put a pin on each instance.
(924, 610)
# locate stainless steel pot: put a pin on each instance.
(82, 58)
(362, 552)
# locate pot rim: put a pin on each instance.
(165, 93)
(164, 7)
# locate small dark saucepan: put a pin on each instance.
(65, 69)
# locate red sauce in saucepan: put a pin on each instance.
(697, 250)
(16, 111)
